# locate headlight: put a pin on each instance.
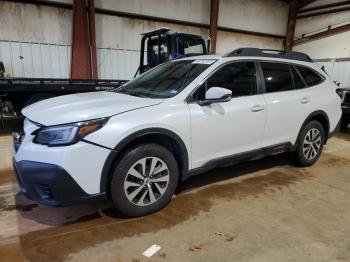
(67, 134)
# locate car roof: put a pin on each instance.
(261, 58)
(208, 57)
(265, 54)
(315, 66)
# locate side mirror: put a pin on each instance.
(216, 95)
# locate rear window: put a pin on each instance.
(277, 76)
(311, 78)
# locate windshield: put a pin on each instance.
(166, 80)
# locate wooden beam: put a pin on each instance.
(330, 11)
(80, 52)
(303, 3)
(213, 31)
(320, 7)
(92, 35)
(247, 32)
(44, 3)
(327, 33)
(292, 16)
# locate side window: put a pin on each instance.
(311, 78)
(298, 81)
(277, 77)
(239, 77)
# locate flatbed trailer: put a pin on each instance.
(22, 92)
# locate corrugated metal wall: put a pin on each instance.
(25, 59)
(117, 63)
(338, 70)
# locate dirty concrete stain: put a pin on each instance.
(343, 135)
(22, 207)
(58, 242)
(330, 160)
(19, 207)
(7, 176)
(84, 218)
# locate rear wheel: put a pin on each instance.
(144, 180)
(310, 144)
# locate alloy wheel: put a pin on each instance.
(146, 181)
(312, 143)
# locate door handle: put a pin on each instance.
(305, 100)
(257, 108)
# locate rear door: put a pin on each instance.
(287, 101)
(224, 129)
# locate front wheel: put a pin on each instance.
(144, 180)
(310, 144)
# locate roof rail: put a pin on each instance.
(269, 53)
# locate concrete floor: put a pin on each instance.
(266, 210)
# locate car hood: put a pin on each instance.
(84, 106)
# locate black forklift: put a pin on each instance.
(159, 46)
(2, 69)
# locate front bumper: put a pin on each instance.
(50, 184)
(82, 161)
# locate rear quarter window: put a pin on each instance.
(298, 81)
(277, 76)
(311, 77)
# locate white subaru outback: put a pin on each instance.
(135, 144)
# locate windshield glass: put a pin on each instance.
(166, 80)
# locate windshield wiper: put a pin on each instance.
(137, 94)
(192, 54)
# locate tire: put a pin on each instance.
(136, 192)
(312, 150)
